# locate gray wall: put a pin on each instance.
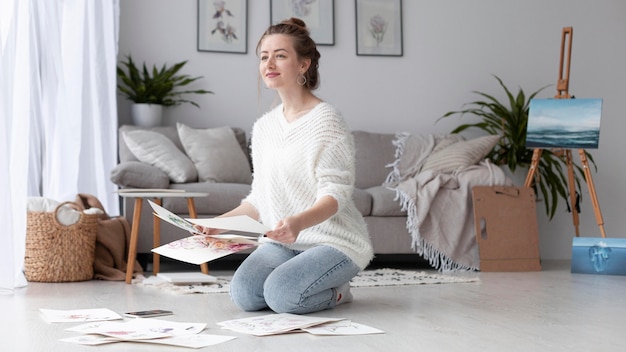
(451, 48)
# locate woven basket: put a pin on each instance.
(60, 253)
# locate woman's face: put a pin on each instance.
(279, 65)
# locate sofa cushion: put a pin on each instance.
(460, 154)
(363, 201)
(135, 174)
(168, 131)
(172, 133)
(216, 154)
(157, 150)
(384, 202)
(374, 151)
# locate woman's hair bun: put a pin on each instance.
(296, 22)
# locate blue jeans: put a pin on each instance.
(288, 281)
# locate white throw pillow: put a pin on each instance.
(216, 153)
(159, 151)
(460, 154)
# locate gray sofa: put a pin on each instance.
(374, 151)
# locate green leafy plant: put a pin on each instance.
(509, 119)
(156, 86)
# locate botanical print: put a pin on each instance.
(317, 14)
(378, 27)
(301, 8)
(76, 315)
(201, 249)
(273, 323)
(223, 27)
(216, 244)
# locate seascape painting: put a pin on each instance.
(564, 123)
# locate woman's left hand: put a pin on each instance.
(286, 230)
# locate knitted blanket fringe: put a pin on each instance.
(436, 258)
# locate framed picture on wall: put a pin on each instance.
(319, 17)
(223, 26)
(379, 27)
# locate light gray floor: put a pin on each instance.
(551, 310)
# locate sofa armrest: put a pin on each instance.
(135, 174)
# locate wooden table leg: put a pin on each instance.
(193, 214)
(156, 239)
(134, 235)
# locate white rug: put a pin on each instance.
(368, 278)
(396, 277)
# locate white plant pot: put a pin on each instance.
(147, 115)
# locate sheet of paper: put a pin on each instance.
(241, 223)
(91, 340)
(172, 218)
(190, 341)
(201, 249)
(344, 327)
(193, 277)
(273, 324)
(78, 315)
(139, 329)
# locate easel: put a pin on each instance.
(562, 88)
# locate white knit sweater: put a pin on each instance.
(297, 163)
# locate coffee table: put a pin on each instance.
(156, 197)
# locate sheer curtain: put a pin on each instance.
(58, 115)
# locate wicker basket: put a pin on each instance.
(60, 253)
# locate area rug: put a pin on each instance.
(368, 278)
(396, 277)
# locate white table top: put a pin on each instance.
(156, 194)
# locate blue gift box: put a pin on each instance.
(604, 256)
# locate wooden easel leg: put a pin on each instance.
(592, 191)
(533, 167)
(572, 191)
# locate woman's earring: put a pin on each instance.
(301, 79)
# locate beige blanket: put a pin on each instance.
(112, 243)
(440, 212)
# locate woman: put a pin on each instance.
(303, 161)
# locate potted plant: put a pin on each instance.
(509, 119)
(151, 90)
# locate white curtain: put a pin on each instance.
(58, 115)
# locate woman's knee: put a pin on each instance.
(282, 299)
(245, 297)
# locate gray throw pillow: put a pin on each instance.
(135, 174)
(216, 153)
(461, 154)
(157, 150)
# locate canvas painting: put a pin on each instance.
(564, 123)
(604, 256)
